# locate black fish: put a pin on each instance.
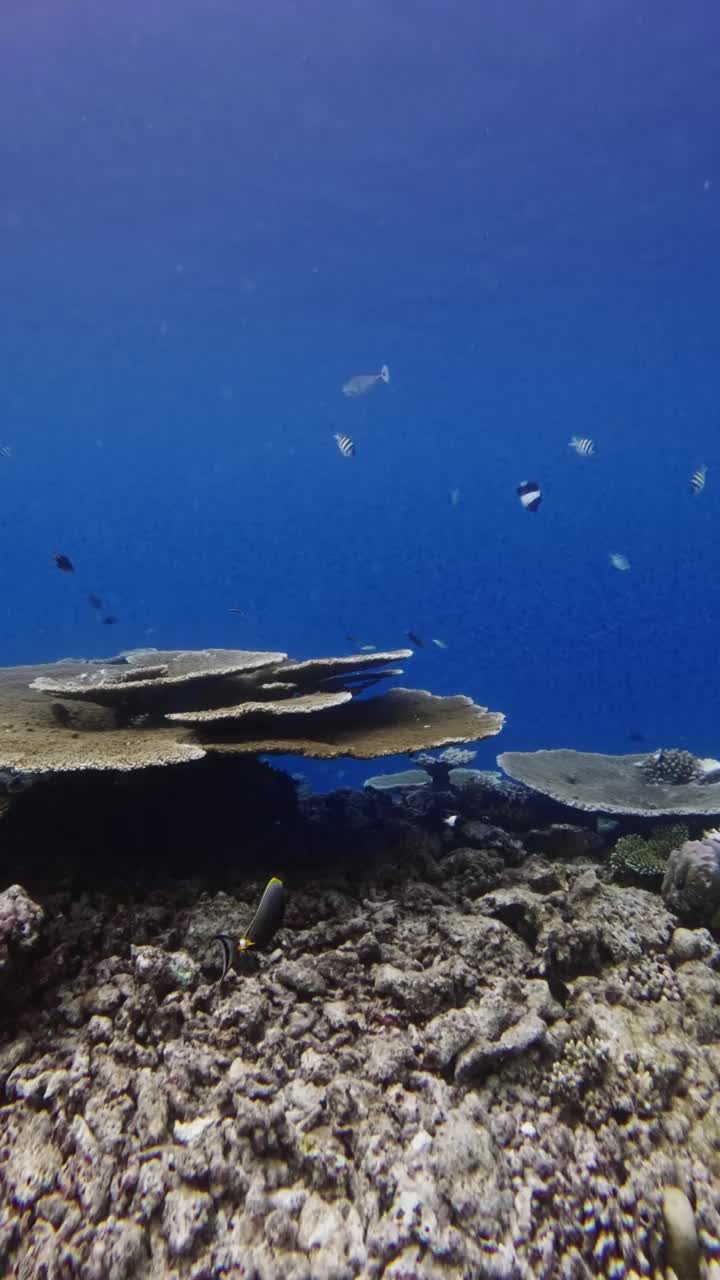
(262, 928)
(64, 563)
(110, 620)
(94, 601)
(636, 736)
(353, 639)
(414, 638)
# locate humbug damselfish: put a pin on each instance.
(262, 928)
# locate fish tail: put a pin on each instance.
(228, 949)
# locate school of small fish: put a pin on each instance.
(529, 493)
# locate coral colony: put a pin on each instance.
(445, 1032)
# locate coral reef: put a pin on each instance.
(601, 784)
(691, 886)
(635, 855)
(145, 709)
(458, 1061)
(439, 767)
(671, 765)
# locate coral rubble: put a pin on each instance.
(460, 1060)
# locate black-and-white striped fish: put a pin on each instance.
(345, 445)
(583, 446)
(697, 480)
(530, 495)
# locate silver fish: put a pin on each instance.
(345, 445)
(364, 382)
(619, 561)
(583, 446)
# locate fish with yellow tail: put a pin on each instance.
(262, 928)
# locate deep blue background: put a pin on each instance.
(213, 213)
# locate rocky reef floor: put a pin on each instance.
(460, 1060)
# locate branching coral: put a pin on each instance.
(637, 856)
(672, 766)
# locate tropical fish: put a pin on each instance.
(697, 480)
(64, 563)
(262, 928)
(5, 451)
(619, 561)
(439, 643)
(583, 446)
(364, 382)
(530, 495)
(345, 445)
(368, 648)
(451, 820)
(414, 638)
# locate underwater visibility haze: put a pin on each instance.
(374, 333)
(213, 215)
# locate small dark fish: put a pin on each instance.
(237, 612)
(352, 639)
(636, 736)
(64, 563)
(262, 928)
(110, 620)
(530, 495)
(94, 601)
(345, 445)
(414, 638)
(268, 917)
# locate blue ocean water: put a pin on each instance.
(213, 214)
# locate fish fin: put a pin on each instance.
(228, 949)
(385, 373)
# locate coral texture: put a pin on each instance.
(447, 1068)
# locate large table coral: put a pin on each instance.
(152, 708)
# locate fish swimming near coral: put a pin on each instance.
(364, 382)
(619, 561)
(64, 563)
(697, 480)
(345, 445)
(262, 928)
(583, 446)
(530, 495)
